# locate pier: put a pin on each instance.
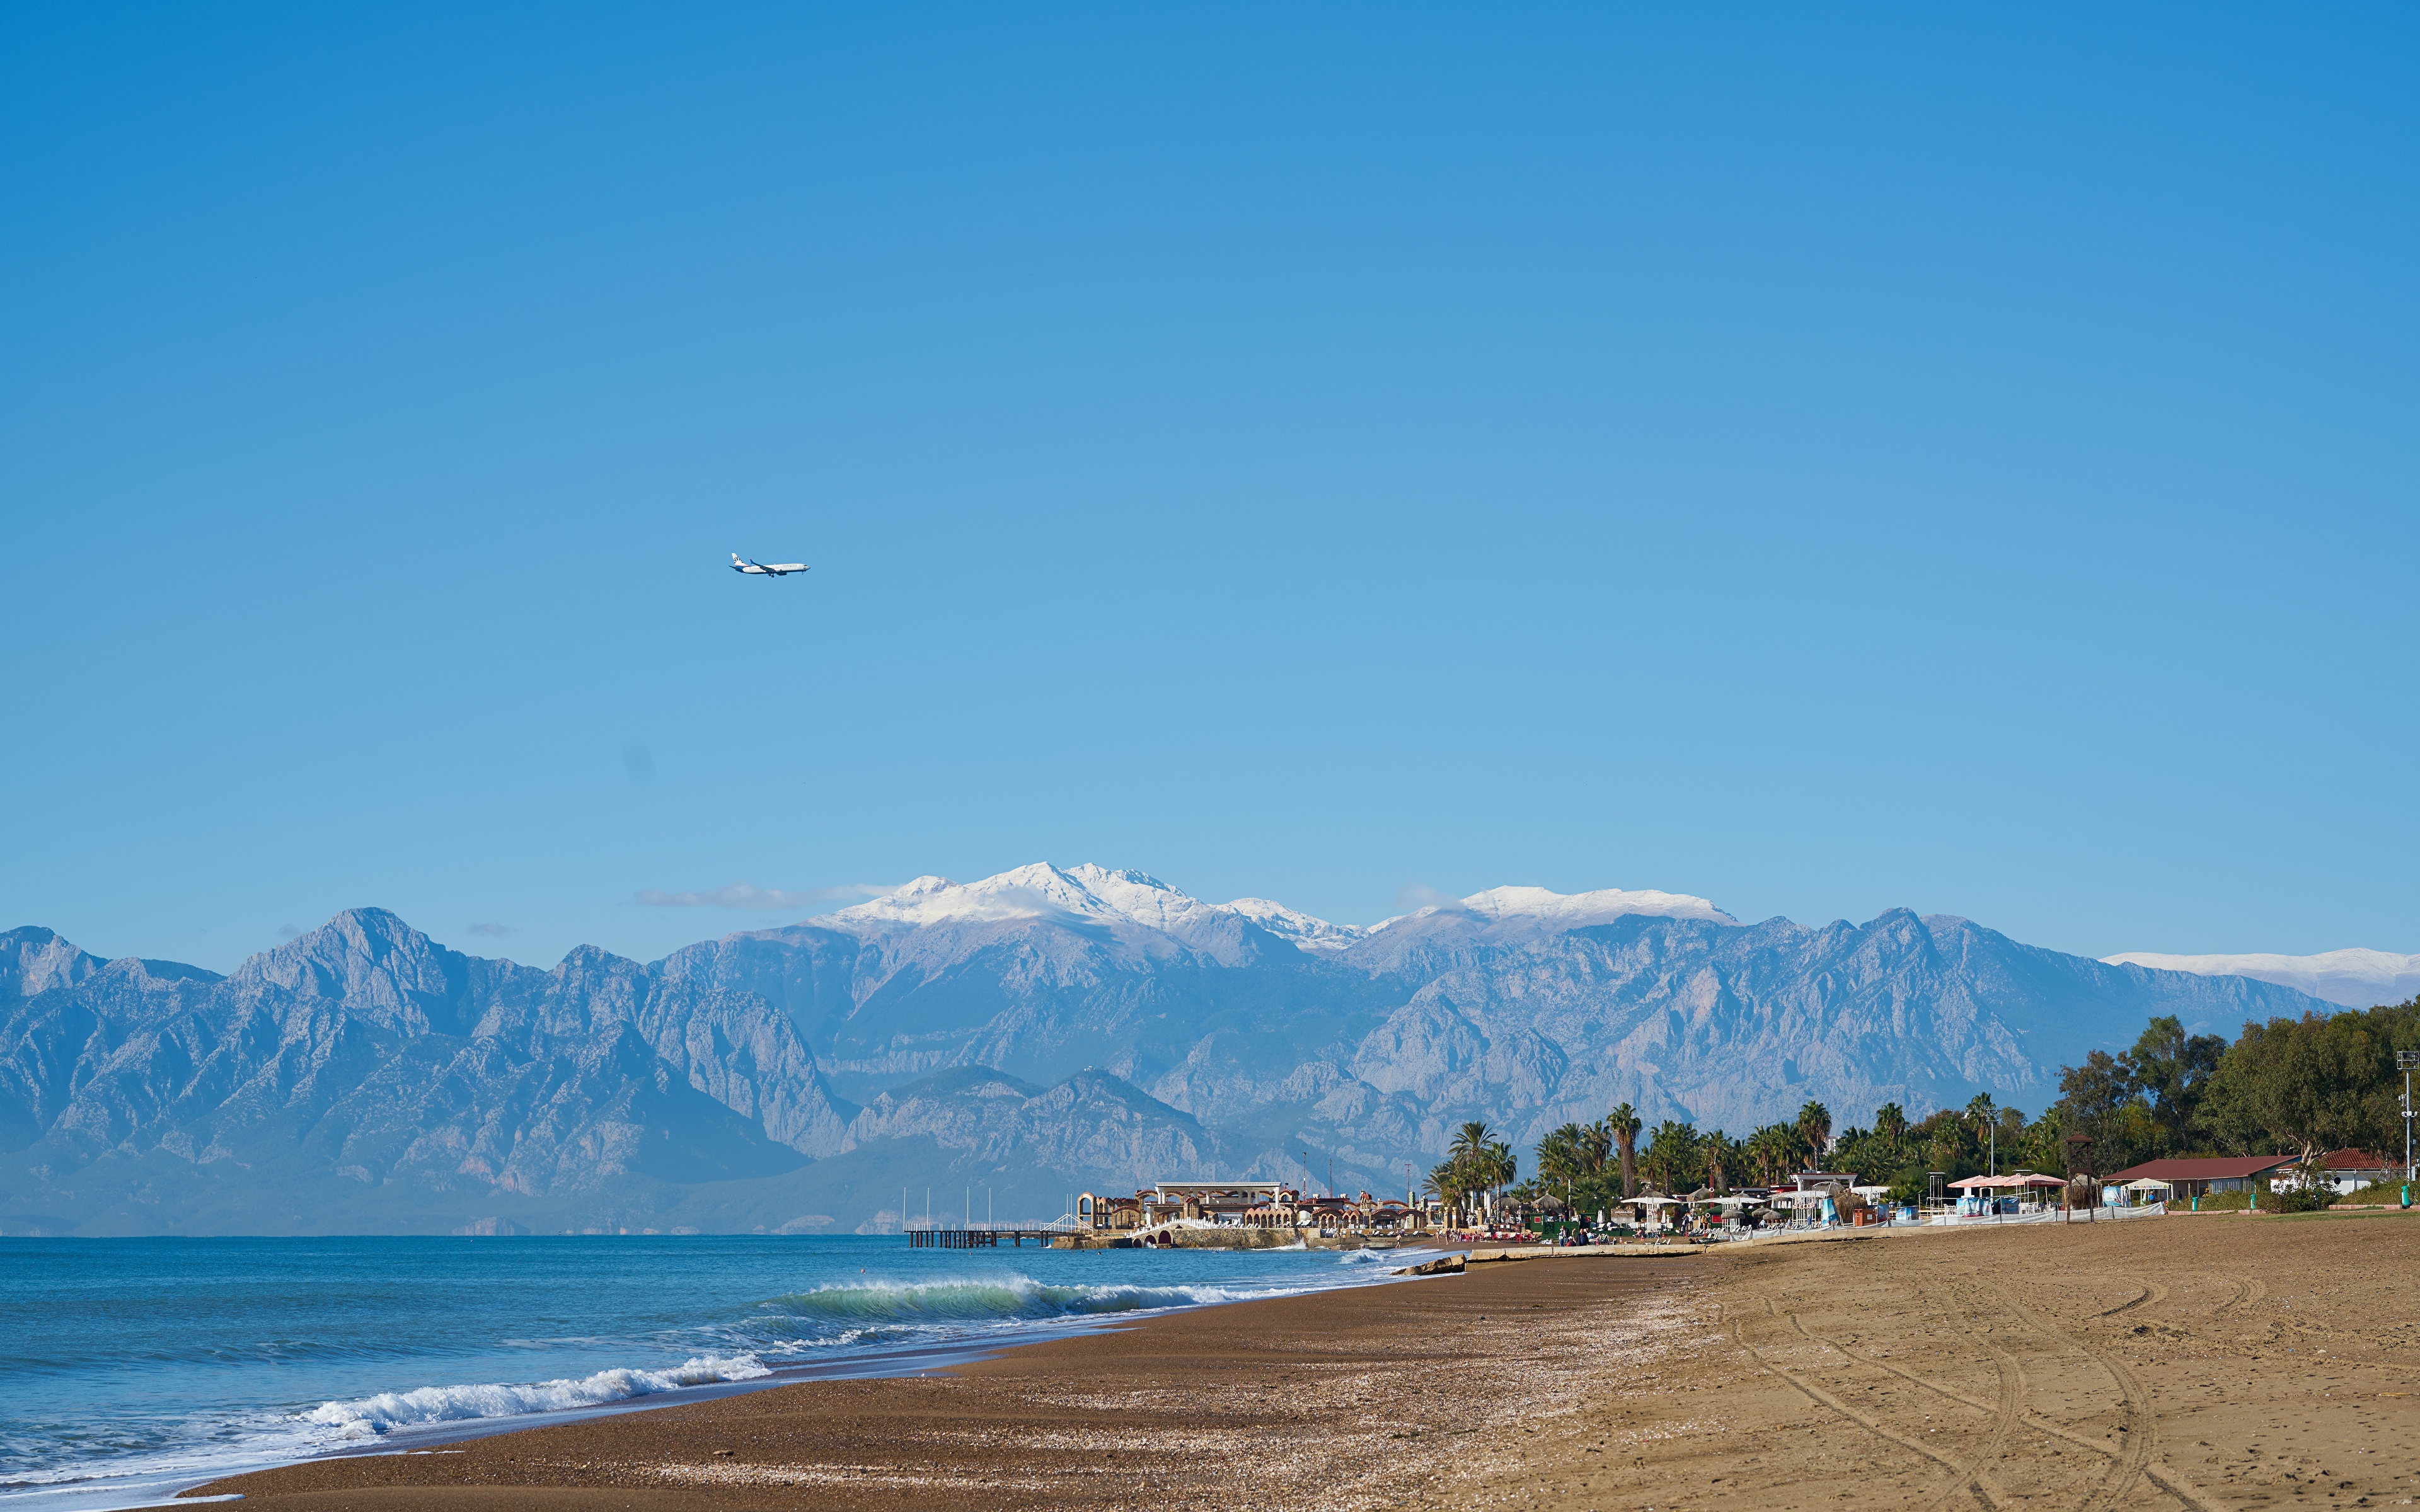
(988, 1237)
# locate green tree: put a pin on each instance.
(1624, 1123)
(1890, 1123)
(1722, 1159)
(1772, 1150)
(1670, 1159)
(1814, 1125)
(2307, 1082)
(2170, 1069)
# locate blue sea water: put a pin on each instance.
(133, 1366)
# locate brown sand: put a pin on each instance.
(2206, 1362)
(2192, 1361)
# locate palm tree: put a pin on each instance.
(1815, 1132)
(1722, 1159)
(1671, 1155)
(1890, 1123)
(1596, 1148)
(1471, 1139)
(1981, 1113)
(1624, 1124)
(1562, 1157)
(1772, 1148)
(1501, 1168)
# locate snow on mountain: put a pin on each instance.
(1290, 924)
(1575, 910)
(1094, 892)
(1064, 1027)
(2354, 978)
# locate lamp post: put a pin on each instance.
(2405, 1061)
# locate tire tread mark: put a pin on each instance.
(1825, 1400)
(2153, 1293)
(2135, 1456)
(2005, 1414)
(2181, 1491)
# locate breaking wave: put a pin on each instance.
(992, 1299)
(391, 1410)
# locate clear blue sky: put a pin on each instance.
(1821, 459)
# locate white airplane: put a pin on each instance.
(767, 569)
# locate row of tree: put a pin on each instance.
(2296, 1086)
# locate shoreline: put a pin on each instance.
(104, 1490)
(1057, 1421)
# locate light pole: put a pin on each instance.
(2404, 1061)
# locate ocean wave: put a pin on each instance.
(391, 1410)
(990, 1300)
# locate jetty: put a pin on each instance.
(988, 1236)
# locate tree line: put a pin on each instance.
(2297, 1087)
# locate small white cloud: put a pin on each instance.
(491, 930)
(769, 900)
(1413, 896)
(287, 932)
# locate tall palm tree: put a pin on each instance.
(1980, 1113)
(1624, 1123)
(1814, 1123)
(1502, 1167)
(1562, 1157)
(1764, 1153)
(1471, 1139)
(1596, 1148)
(1890, 1123)
(1672, 1160)
(1722, 1158)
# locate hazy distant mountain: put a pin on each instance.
(2353, 979)
(1037, 1032)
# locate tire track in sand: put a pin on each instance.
(2133, 1460)
(2036, 1421)
(2153, 1293)
(1962, 1473)
(2005, 1415)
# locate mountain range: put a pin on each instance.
(992, 1046)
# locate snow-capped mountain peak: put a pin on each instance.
(1305, 931)
(1103, 895)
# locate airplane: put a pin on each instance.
(769, 569)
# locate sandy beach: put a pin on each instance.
(2202, 1362)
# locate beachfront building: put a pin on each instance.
(2200, 1177)
(1253, 1204)
(1247, 1204)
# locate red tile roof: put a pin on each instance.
(2228, 1168)
(2353, 1160)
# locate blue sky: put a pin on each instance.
(1822, 460)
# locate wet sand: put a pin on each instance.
(2197, 1362)
(1364, 1397)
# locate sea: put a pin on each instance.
(132, 1368)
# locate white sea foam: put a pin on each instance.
(391, 1410)
(987, 1300)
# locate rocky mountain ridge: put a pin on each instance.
(1039, 1032)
